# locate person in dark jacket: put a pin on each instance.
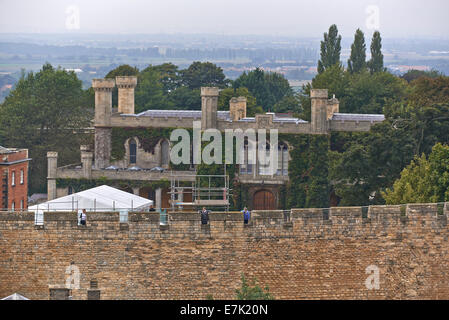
(204, 216)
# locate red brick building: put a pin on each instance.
(13, 178)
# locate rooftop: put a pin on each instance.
(196, 114)
(358, 117)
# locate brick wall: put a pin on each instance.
(305, 253)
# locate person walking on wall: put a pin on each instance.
(204, 216)
(83, 217)
(246, 215)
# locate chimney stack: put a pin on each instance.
(319, 112)
(126, 87)
(209, 106)
(237, 108)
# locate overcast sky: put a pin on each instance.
(394, 18)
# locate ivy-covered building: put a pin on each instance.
(132, 151)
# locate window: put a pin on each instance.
(264, 169)
(282, 160)
(165, 150)
(247, 166)
(13, 206)
(21, 204)
(132, 151)
(21, 176)
(13, 178)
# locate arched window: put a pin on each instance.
(247, 166)
(264, 168)
(132, 151)
(282, 160)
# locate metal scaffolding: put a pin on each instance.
(205, 191)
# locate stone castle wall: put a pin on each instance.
(299, 254)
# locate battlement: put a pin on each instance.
(126, 81)
(295, 219)
(103, 84)
(209, 91)
(298, 253)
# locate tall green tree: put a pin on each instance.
(376, 63)
(150, 92)
(330, 49)
(251, 106)
(122, 70)
(203, 74)
(357, 60)
(46, 111)
(425, 180)
(268, 88)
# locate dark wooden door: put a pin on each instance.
(264, 200)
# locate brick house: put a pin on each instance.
(13, 178)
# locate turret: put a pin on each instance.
(103, 100)
(319, 110)
(86, 160)
(237, 108)
(209, 106)
(126, 87)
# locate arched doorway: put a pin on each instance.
(264, 200)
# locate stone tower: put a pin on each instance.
(126, 87)
(103, 111)
(237, 108)
(209, 106)
(319, 121)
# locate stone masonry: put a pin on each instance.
(299, 254)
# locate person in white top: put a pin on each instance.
(83, 217)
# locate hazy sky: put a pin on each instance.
(394, 18)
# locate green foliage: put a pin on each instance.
(411, 75)
(330, 49)
(252, 291)
(356, 62)
(376, 63)
(148, 138)
(203, 74)
(123, 70)
(268, 88)
(184, 98)
(425, 180)
(150, 93)
(290, 103)
(45, 112)
(251, 106)
(169, 75)
(308, 185)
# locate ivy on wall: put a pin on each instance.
(308, 185)
(308, 168)
(84, 184)
(148, 139)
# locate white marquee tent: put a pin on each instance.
(99, 199)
